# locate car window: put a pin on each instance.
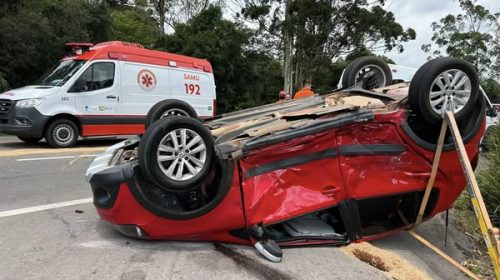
(98, 76)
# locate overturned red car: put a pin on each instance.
(339, 167)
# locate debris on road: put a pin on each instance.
(389, 263)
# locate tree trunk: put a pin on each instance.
(288, 55)
(161, 13)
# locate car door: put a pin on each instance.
(98, 99)
(292, 178)
(384, 177)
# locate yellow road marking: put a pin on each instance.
(38, 151)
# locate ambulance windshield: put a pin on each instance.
(60, 73)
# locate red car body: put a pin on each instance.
(365, 168)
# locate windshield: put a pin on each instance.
(60, 73)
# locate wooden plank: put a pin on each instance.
(391, 87)
(434, 170)
(234, 126)
(477, 199)
(268, 128)
(444, 255)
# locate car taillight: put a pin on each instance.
(215, 107)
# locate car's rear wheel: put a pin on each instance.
(30, 140)
(168, 108)
(61, 133)
(176, 153)
(444, 84)
(368, 71)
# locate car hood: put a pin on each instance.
(29, 92)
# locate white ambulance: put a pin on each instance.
(107, 89)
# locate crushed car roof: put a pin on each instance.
(240, 132)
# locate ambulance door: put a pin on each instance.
(142, 87)
(194, 87)
(97, 96)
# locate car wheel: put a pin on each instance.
(372, 72)
(30, 140)
(176, 153)
(444, 84)
(168, 108)
(61, 133)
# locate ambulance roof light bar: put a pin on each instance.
(76, 48)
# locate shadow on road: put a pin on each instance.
(9, 143)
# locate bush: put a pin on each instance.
(489, 178)
(3, 83)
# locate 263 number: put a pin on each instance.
(192, 89)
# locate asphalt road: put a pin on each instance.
(71, 242)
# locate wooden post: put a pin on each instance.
(476, 197)
(434, 170)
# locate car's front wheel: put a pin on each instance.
(61, 133)
(176, 153)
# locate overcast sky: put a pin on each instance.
(419, 14)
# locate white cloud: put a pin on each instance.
(419, 15)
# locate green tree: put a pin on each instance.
(34, 32)
(492, 88)
(323, 29)
(473, 35)
(133, 24)
(4, 85)
(243, 77)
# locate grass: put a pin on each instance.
(489, 178)
(464, 217)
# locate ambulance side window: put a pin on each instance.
(99, 75)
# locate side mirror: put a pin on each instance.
(80, 85)
(492, 112)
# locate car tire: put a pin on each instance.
(186, 148)
(372, 72)
(61, 133)
(168, 108)
(444, 83)
(30, 140)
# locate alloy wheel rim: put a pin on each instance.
(372, 76)
(63, 134)
(174, 112)
(450, 91)
(181, 154)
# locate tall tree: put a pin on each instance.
(287, 50)
(244, 77)
(325, 29)
(473, 35)
(34, 32)
(162, 7)
(171, 12)
(133, 24)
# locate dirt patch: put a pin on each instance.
(389, 263)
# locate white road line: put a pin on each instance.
(44, 207)
(49, 158)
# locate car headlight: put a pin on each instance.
(33, 102)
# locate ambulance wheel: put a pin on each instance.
(176, 153)
(167, 108)
(30, 140)
(371, 72)
(61, 133)
(444, 84)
